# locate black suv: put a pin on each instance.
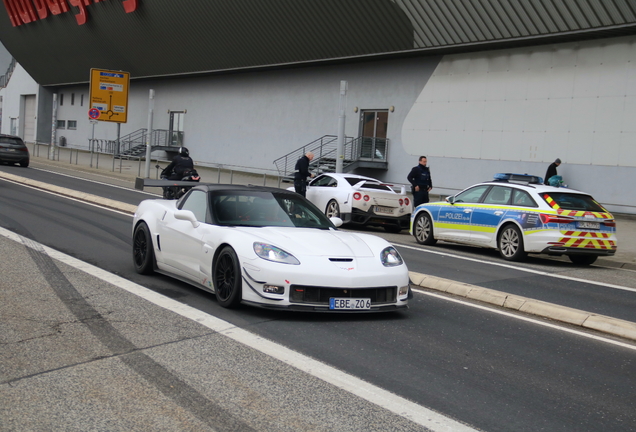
(13, 150)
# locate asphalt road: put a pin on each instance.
(494, 372)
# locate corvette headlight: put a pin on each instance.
(273, 253)
(390, 257)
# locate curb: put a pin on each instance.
(588, 320)
(106, 202)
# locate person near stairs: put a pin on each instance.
(302, 172)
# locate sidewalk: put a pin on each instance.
(123, 173)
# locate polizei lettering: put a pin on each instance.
(27, 11)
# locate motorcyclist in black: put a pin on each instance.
(179, 165)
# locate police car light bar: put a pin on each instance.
(519, 178)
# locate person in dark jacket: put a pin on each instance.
(179, 165)
(421, 182)
(552, 171)
(302, 172)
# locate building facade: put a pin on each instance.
(479, 87)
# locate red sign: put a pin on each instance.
(26, 11)
(94, 113)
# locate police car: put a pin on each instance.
(517, 214)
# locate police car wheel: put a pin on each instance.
(511, 243)
(423, 229)
(582, 259)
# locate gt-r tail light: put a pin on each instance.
(548, 218)
(357, 196)
(406, 201)
(401, 201)
(366, 198)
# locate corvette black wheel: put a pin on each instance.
(143, 254)
(423, 229)
(227, 278)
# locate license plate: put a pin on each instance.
(349, 303)
(10, 149)
(385, 210)
(588, 225)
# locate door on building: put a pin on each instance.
(175, 134)
(29, 118)
(373, 131)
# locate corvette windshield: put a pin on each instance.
(257, 208)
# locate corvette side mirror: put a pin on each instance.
(186, 215)
(336, 221)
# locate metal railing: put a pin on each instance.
(325, 153)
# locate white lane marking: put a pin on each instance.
(376, 395)
(528, 319)
(68, 197)
(539, 272)
(95, 181)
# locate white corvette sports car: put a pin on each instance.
(361, 200)
(267, 247)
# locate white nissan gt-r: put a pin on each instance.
(267, 247)
(361, 200)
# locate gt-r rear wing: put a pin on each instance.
(399, 189)
(141, 183)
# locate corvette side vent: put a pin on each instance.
(340, 259)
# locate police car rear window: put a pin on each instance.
(569, 201)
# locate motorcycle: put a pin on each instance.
(176, 192)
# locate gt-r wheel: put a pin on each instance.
(423, 229)
(227, 278)
(582, 259)
(143, 254)
(333, 209)
(510, 243)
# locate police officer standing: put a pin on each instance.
(421, 182)
(302, 172)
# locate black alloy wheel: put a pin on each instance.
(423, 229)
(143, 254)
(227, 278)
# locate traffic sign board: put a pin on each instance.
(109, 95)
(93, 113)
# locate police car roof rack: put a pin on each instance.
(526, 179)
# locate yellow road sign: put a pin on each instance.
(109, 94)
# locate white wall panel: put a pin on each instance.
(627, 151)
(609, 114)
(579, 151)
(558, 112)
(601, 152)
(491, 145)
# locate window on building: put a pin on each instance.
(72, 98)
(72, 124)
(82, 99)
(61, 124)
(61, 99)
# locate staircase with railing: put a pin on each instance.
(133, 145)
(361, 152)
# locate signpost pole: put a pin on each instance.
(151, 107)
(341, 126)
